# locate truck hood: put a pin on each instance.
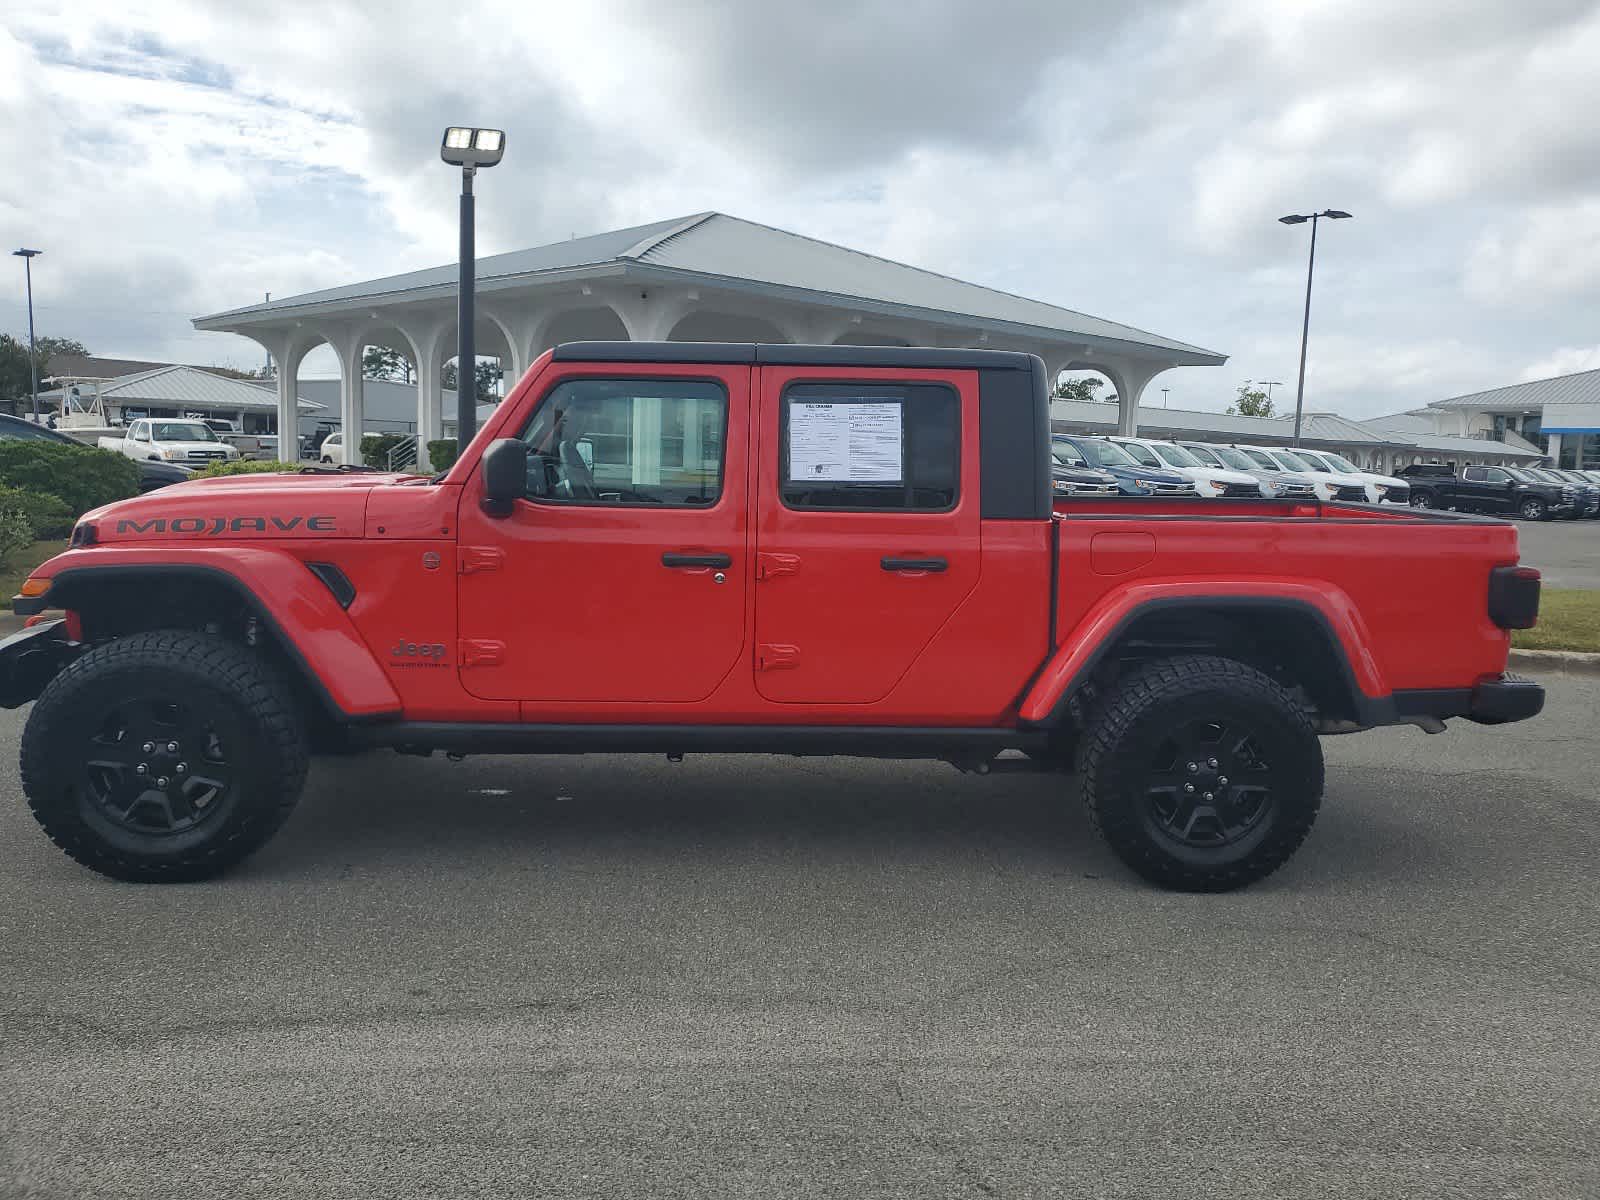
(244, 508)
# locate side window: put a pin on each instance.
(1475, 475)
(655, 442)
(870, 446)
(1491, 475)
(1141, 454)
(141, 431)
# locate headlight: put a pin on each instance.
(1382, 491)
(1211, 486)
(172, 453)
(1144, 483)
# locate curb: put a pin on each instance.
(1566, 662)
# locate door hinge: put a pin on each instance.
(473, 559)
(776, 657)
(480, 652)
(769, 565)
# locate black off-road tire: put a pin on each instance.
(249, 728)
(1124, 772)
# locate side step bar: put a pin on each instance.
(861, 741)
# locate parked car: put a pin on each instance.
(332, 449)
(1582, 499)
(249, 445)
(1272, 480)
(1501, 490)
(1132, 479)
(1068, 480)
(1588, 490)
(171, 440)
(1282, 468)
(1380, 488)
(1330, 486)
(584, 606)
(1208, 480)
(151, 474)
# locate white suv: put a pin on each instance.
(1208, 480)
(1380, 487)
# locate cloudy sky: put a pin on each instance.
(177, 157)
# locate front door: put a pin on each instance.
(867, 529)
(621, 575)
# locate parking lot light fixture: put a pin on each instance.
(27, 256)
(468, 148)
(1333, 214)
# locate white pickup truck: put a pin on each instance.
(185, 442)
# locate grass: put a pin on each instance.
(20, 565)
(1569, 619)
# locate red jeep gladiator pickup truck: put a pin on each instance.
(682, 548)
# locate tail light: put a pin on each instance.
(1514, 597)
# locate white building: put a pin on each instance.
(708, 277)
(1560, 417)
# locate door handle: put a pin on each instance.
(696, 560)
(914, 564)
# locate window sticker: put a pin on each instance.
(853, 442)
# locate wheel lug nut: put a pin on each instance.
(1222, 780)
(1194, 767)
(1210, 762)
(148, 747)
(1188, 787)
(162, 782)
(182, 767)
(172, 748)
(141, 769)
(1209, 796)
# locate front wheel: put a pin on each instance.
(1421, 500)
(1533, 509)
(163, 757)
(1201, 773)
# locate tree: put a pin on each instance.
(1079, 389)
(16, 379)
(1251, 403)
(488, 374)
(385, 362)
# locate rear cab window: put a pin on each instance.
(870, 446)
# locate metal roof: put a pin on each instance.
(1581, 388)
(190, 387)
(717, 249)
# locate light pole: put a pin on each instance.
(1269, 384)
(468, 149)
(1333, 214)
(27, 257)
(1164, 392)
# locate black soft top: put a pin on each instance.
(784, 354)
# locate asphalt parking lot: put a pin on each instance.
(594, 977)
(1566, 552)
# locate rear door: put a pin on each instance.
(867, 533)
(1484, 487)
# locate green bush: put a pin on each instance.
(375, 448)
(15, 532)
(48, 516)
(442, 454)
(81, 476)
(246, 466)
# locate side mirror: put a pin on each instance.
(505, 476)
(585, 449)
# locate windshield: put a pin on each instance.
(1175, 456)
(182, 431)
(1518, 474)
(1261, 459)
(1236, 459)
(1105, 454)
(1204, 456)
(1293, 462)
(1067, 460)
(1342, 465)
(1544, 476)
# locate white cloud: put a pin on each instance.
(1566, 361)
(1550, 253)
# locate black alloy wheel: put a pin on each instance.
(1209, 784)
(1421, 500)
(1532, 509)
(156, 765)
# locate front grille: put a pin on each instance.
(1173, 489)
(206, 455)
(1241, 490)
(1349, 492)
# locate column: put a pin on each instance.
(1554, 448)
(351, 399)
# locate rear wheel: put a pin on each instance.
(1201, 773)
(163, 756)
(1533, 509)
